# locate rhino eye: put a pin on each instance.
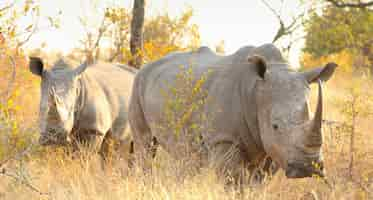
(275, 126)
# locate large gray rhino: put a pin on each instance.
(263, 109)
(86, 104)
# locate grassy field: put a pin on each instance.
(52, 174)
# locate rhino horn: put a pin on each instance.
(317, 121)
(81, 68)
(315, 137)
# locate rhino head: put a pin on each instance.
(59, 94)
(289, 135)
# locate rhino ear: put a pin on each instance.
(260, 64)
(322, 73)
(36, 65)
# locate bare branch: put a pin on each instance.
(273, 10)
(284, 29)
(20, 44)
(17, 156)
(91, 46)
(118, 46)
(341, 4)
(23, 182)
(16, 177)
(6, 7)
(117, 52)
(101, 31)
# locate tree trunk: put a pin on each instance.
(136, 41)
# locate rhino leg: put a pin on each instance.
(143, 140)
(144, 150)
(229, 162)
(108, 147)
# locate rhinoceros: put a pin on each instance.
(260, 109)
(86, 104)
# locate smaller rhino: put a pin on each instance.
(86, 104)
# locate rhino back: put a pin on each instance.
(158, 76)
(225, 86)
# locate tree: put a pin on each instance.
(291, 31)
(352, 4)
(15, 32)
(118, 32)
(289, 28)
(164, 34)
(342, 29)
(14, 35)
(91, 48)
(136, 40)
(161, 34)
(95, 27)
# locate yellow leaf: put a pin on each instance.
(10, 103)
(26, 8)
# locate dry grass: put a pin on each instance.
(83, 178)
(62, 177)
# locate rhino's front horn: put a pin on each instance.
(314, 138)
(317, 120)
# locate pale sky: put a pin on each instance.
(237, 22)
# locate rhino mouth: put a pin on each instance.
(301, 170)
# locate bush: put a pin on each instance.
(182, 114)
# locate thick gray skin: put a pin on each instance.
(260, 109)
(87, 104)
